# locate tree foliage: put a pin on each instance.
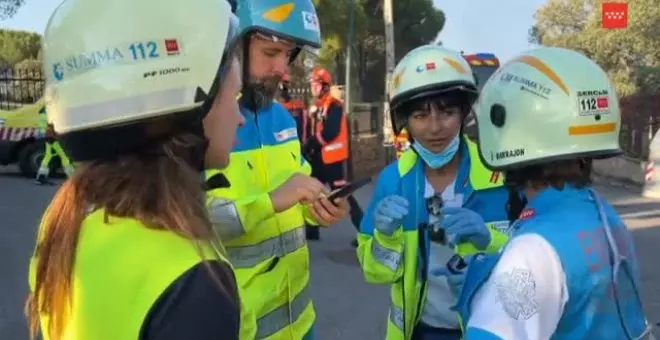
(20, 64)
(9, 7)
(416, 22)
(16, 46)
(631, 56)
(334, 16)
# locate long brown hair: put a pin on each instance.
(162, 192)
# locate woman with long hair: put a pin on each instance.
(143, 98)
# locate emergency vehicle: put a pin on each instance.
(483, 65)
(21, 140)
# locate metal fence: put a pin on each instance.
(636, 137)
(19, 87)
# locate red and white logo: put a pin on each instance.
(171, 46)
(430, 66)
(615, 14)
(527, 213)
(285, 134)
(602, 103)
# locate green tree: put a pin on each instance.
(631, 56)
(10, 52)
(16, 46)
(29, 66)
(416, 22)
(9, 7)
(334, 17)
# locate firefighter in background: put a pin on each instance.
(52, 147)
(295, 106)
(401, 142)
(327, 147)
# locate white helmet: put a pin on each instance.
(112, 65)
(544, 105)
(427, 71)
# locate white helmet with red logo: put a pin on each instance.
(429, 70)
(130, 66)
(544, 105)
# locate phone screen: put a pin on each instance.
(348, 189)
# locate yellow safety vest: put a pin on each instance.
(394, 259)
(121, 269)
(267, 249)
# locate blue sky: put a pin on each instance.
(498, 27)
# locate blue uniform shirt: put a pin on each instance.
(514, 298)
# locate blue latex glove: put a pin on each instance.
(464, 225)
(455, 281)
(389, 214)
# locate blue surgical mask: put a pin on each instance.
(440, 159)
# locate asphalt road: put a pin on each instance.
(347, 307)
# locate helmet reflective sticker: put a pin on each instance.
(567, 96)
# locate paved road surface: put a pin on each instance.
(348, 308)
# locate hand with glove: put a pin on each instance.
(464, 225)
(389, 214)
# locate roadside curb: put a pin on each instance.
(617, 182)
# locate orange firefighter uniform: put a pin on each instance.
(401, 142)
(327, 148)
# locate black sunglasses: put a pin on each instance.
(434, 204)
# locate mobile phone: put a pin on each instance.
(348, 189)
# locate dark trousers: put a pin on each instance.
(334, 175)
(426, 332)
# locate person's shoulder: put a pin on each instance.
(390, 176)
(528, 242)
(521, 248)
(280, 113)
(390, 171)
(277, 107)
(533, 258)
(335, 102)
(215, 277)
(494, 193)
(202, 302)
(612, 214)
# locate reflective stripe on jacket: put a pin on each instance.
(395, 259)
(335, 150)
(268, 249)
(299, 113)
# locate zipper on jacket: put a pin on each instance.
(260, 152)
